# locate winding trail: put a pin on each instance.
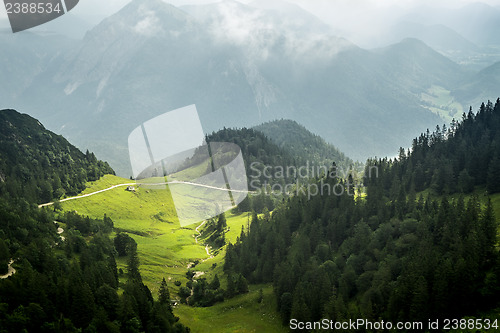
(11, 271)
(198, 231)
(85, 195)
(150, 184)
(207, 248)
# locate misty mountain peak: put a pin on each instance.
(146, 18)
(262, 29)
(278, 5)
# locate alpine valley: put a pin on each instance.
(406, 125)
(241, 65)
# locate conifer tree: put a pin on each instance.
(133, 267)
(493, 183)
(164, 294)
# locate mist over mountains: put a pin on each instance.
(243, 65)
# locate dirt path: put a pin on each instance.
(11, 271)
(86, 195)
(198, 231)
(150, 184)
(205, 186)
(207, 248)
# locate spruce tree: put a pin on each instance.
(493, 182)
(215, 284)
(242, 284)
(164, 294)
(133, 267)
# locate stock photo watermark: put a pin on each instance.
(27, 14)
(170, 152)
(333, 180)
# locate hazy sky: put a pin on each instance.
(105, 8)
(348, 13)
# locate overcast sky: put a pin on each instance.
(105, 8)
(342, 12)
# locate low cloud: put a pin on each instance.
(148, 24)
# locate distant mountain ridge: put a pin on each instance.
(151, 57)
(478, 22)
(482, 85)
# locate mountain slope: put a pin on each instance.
(364, 101)
(389, 256)
(24, 56)
(478, 22)
(65, 275)
(437, 36)
(441, 38)
(249, 65)
(296, 139)
(482, 86)
(38, 165)
(424, 66)
(138, 64)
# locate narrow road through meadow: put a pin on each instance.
(150, 184)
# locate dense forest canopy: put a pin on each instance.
(449, 160)
(280, 153)
(391, 255)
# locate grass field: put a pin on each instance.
(240, 314)
(104, 183)
(166, 249)
(441, 102)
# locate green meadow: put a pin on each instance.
(148, 215)
(441, 102)
(166, 249)
(240, 314)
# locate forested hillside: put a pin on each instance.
(282, 144)
(257, 149)
(449, 160)
(65, 276)
(267, 160)
(38, 165)
(296, 139)
(391, 255)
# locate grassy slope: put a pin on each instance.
(104, 183)
(240, 314)
(165, 250)
(441, 102)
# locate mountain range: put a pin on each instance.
(242, 65)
